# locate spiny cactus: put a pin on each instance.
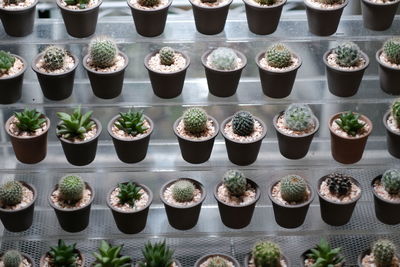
(148, 3)
(157, 255)
(167, 55)
(224, 58)
(11, 193)
(235, 182)
(330, 2)
(217, 261)
(339, 184)
(131, 122)
(293, 188)
(12, 258)
(243, 123)
(6, 61)
(348, 54)
(29, 120)
(325, 256)
(298, 117)
(266, 2)
(266, 254)
(391, 181)
(348, 122)
(395, 110)
(54, 57)
(103, 52)
(183, 191)
(391, 48)
(71, 188)
(278, 56)
(195, 120)
(383, 251)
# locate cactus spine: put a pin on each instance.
(383, 251)
(183, 191)
(392, 50)
(293, 188)
(103, 52)
(243, 123)
(12, 258)
(223, 58)
(167, 56)
(395, 110)
(278, 56)
(339, 184)
(71, 188)
(348, 54)
(54, 58)
(235, 182)
(391, 181)
(11, 193)
(266, 254)
(298, 117)
(195, 120)
(217, 261)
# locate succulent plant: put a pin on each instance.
(6, 61)
(266, 254)
(325, 256)
(71, 188)
(54, 57)
(223, 58)
(339, 184)
(278, 56)
(131, 122)
(148, 3)
(266, 2)
(330, 2)
(12, 258)
(195, 120)
(293, 188)
(103, 52)
(183, 191)
(395, 111)
(11, 193)
(217, 261)
(167, 55)
(391, 48)
(156, 255)
(110, 256)
(243, 123)
(383, 251)
(298, 117)
(348, 122)
(63, 255)
(391, 181)
(74, 125)
(235, 182)
(129, 193)
(348, 54)
(82, 4)
(29, 120)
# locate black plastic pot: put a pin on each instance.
(196, 151)
(167, 84)
(43, 262)
(225, 256)
(323, 22)
(11, 86)
(290, 216)
(55, 86)
(243, 153)
(183, 217)
(277, 84)
(344, 82)
(210, 20)
(80, 23)
(131, 222)
(263, 19)
(392, 138)
(237, 216)
(248, 257)
(294, 146)
(378, 16)
(73, 219)
(389, 77)
(20, 219)
(386, 211)
(81, 153)
(336, 213)
(223, 83)
(106, 85)
(18, 22)
(149, 22)
(130, 150)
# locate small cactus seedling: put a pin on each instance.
(6, 61)
(391, 48)
(183, 191)
(278, 56)
(339, 184)
(325, 256)
(103, 52)
(131, 122)
(266, 2)
(75, 124)
(383, 251)
(167, 55)
(148, 3)
(223, 58)
(110, 256)
(266, 254)
(129, 193)
(71, 188)
(11, 193)
(348, 54)
(391, 181)
(157, 255)
(293, 188)
(235, 182)
(330, 2)
(395, 111)
(298, 117)
(195, 120)
(348, 122)
(243, 123)
(82, 4)
(63, 255)
(217, 261)
(29, 120)
(12, 258)
(54, 58)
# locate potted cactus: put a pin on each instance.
(266, 253)
(278, 67)
(391, 120)
(291, 197)
(28, 134)
(223, 67)
(324, 255)
(12, 69)
(383, 253)
(158, 254)
(182, 200)
(130, 132)
(378, 15)
(110, 256)
(105, 66)
(17, 200)
(295, 128)
(324, 15)
(216, 260)
(63, 255)
(338, 195)
(345, 67)
(243, 136)
(167, 71)
(14, 258)
(388, 58)
(78, 134)
(80, 16)
(18, 16)
(386, 190)
(129, 203)
(71, 200)
(55, 69)
(349, 135)
(237, 197)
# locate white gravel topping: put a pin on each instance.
(24, 263)
(254, 136)
(47, 261)
(179, 63)
(332, 58)
(139, 204)
(386, 61)
(354, 193)
(380, 191)
(161, 4)
(248, 196)
(369, 261)
(294, 64)
(337, 130)
(21, 5)
(60, 203)
(252, 264)
(281, 124)
(209, 132)
(276, 194)
(393, 125)
(27, 198)
(170, 199)
(257, 3)
(14, 70)
(317, 4)
(69, 64)
(14, 130)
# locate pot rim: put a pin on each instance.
(19, 73)
(20, 10)
(223, 255)
(7, 128)
(385, 118)
(316, 128)
(198, 184)
(228, 3)
(249, 181)
(305, 203)
(248, 256)
(308, 5)
(238, 53)
(379, 177)
(40, 55)
(98, 132)
(245, 142)
(363, 117)
(262, 53)
(30, 186)
(381, 4)
(76, 250)
(148, 56)
(150, 10)
(78, 10)
(89, 69)
(377, 56)
(327, 53)
(112, 121)
(216, 125)
(265, 6)
(353, 180)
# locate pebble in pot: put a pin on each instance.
(18, 16)
(278, 67)
(63, 255)
(110, 254)
(389, 66)
(14, 258)
(217, 260)
(323, 252)
(266, 253)
(158, 254)
(378, 15)
(12, 69)
(383, 253)
(391, 120)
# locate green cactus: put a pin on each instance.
(293, 188)
(29, 120)
(266, 2)
(103, 52)
(71, 188)
(348, 54)
(391, 181)
(395, 110)
(223, 58)
(54, 58)
(383, 251)
(339, 184)
(391, 48)
(6, 61)
(12, 258)
(235, 182)
(148, 3)
(167, 55)
(278, 56)
(243, 123)
(266, 254)
(348, 122)
(195, 120)
(298, 117)
(11, 193)
(183, 191)
(330, 2)
(217, 261)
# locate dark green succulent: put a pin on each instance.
(131, 122)
(110, 256)
(6, 61)
(75, 124)
(348, 122)
(29, 120)
(129, 193)
(63, 255)
(325, 256)
(82, 4)
(157, 255)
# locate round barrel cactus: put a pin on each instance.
(395, 110)
(183, 191)
(224, 58)
(278, 56)
(71, 188)
(54, 58)
(217, 261)
(195, 120)
(235, 182)
(103, 52)
(12, 258)
(383, 251)
(348, 54)
(392, 50)
(11, 193)
(266, 254)
(167, 56)
(293, 188)
(339, 184)
(298, 117)
(243, 123)
(391, 181)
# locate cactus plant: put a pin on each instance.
(217, 261)
(330, 2)
(13, 2)
(63, 255)
(223, 58)
(74, 125)
(148, 3)
(6, 61)
(348, 122)
(183, 191)
(53, 58)
(82, 4)
(167, 55)
(395, 111)
(266, 254)
(29, 120)
(293, 188)
(278, 56)
(11, 193)
(298, 117)
(129, 193)
(266, 2)
(157, 255)
(102, 52)
(110, 256)
(325, 256)
(195, 120)
(383, 251)
(391, 48)
(131, 122)
(12, 258)
(391, 181)
(235, 182)
(71, 188)
(243, 123)
(339, 184)
(348, 54)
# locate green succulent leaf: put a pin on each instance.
(131, 122)
(75, 124)
(109, 256)
(349, 122)
(29, 120)
(129, 193)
